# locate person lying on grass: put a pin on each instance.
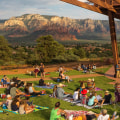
(14, 91)
(32, 91)
(24, 108)
(57, 112)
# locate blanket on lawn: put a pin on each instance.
(51, 86)
(98, 89)
(76, 113)
(34, 95)
(37, 108)
(78, 103)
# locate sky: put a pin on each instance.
(10, 8)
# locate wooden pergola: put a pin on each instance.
(111, 8)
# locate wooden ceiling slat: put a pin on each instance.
(91, 7)
(84, 5)
(118, 1)
(103, 4)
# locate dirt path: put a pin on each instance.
(110, 74)
(54, 78)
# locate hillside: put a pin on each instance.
(27, 28)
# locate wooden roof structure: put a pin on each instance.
(111, 8)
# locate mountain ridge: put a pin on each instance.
(61, 28)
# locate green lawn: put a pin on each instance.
(56, 74)
(101, 82)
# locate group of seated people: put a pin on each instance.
(14, 95)
(85, 68)
(81, 94)
(58, 113)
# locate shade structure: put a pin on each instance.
(111, 8)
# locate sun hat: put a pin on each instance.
(89, 80)
(84, 91)
(106, 91)
(8, 95)
(60, 85)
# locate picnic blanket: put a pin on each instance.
(37, 108)
(98, 89)
(78, 103)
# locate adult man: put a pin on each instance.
(107, 98)
(60, 93)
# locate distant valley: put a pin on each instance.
(27, 28)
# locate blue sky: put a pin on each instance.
(10, 8)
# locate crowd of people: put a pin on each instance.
(86, 94)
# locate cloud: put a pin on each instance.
(9, 8)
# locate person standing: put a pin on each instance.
(42, 72)
(36, 70)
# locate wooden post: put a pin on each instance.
(113, 40)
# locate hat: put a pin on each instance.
(107, 91)
(84, 91)
(89, 80)
(104, 111)
(8, 95)
(60, 85)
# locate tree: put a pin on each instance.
(5, 50)
(47, 48)
(81, 53)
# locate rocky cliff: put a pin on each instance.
(62, 28)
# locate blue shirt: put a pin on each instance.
(91, 101)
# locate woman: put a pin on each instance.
(15, 103)
(92, 100)
(36, 70)
(56, 112)
(76, 94)
(32, 91)
(64, 77)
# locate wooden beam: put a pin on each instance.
(118, 1)
(84, 5)
(103, 4)
(113, 39)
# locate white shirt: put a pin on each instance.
(101, 117)
(75, 95)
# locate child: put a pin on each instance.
(84, 96)
(9, 101)
(54, 91)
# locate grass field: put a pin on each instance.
(101, 82)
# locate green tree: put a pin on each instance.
(81, 53)
(5, 50)
(47, 48)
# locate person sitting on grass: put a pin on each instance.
(76, 94)
(14, 91)
(92, 100)
(32, 91)
(41, 82)
(15, 103)
(83, 96)
(54, 91)
(4, 81)
(64, 77)
(24, 108)
(60, 93)
(104, 116)
(107, 99)
(57, 112)
(82, 86)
